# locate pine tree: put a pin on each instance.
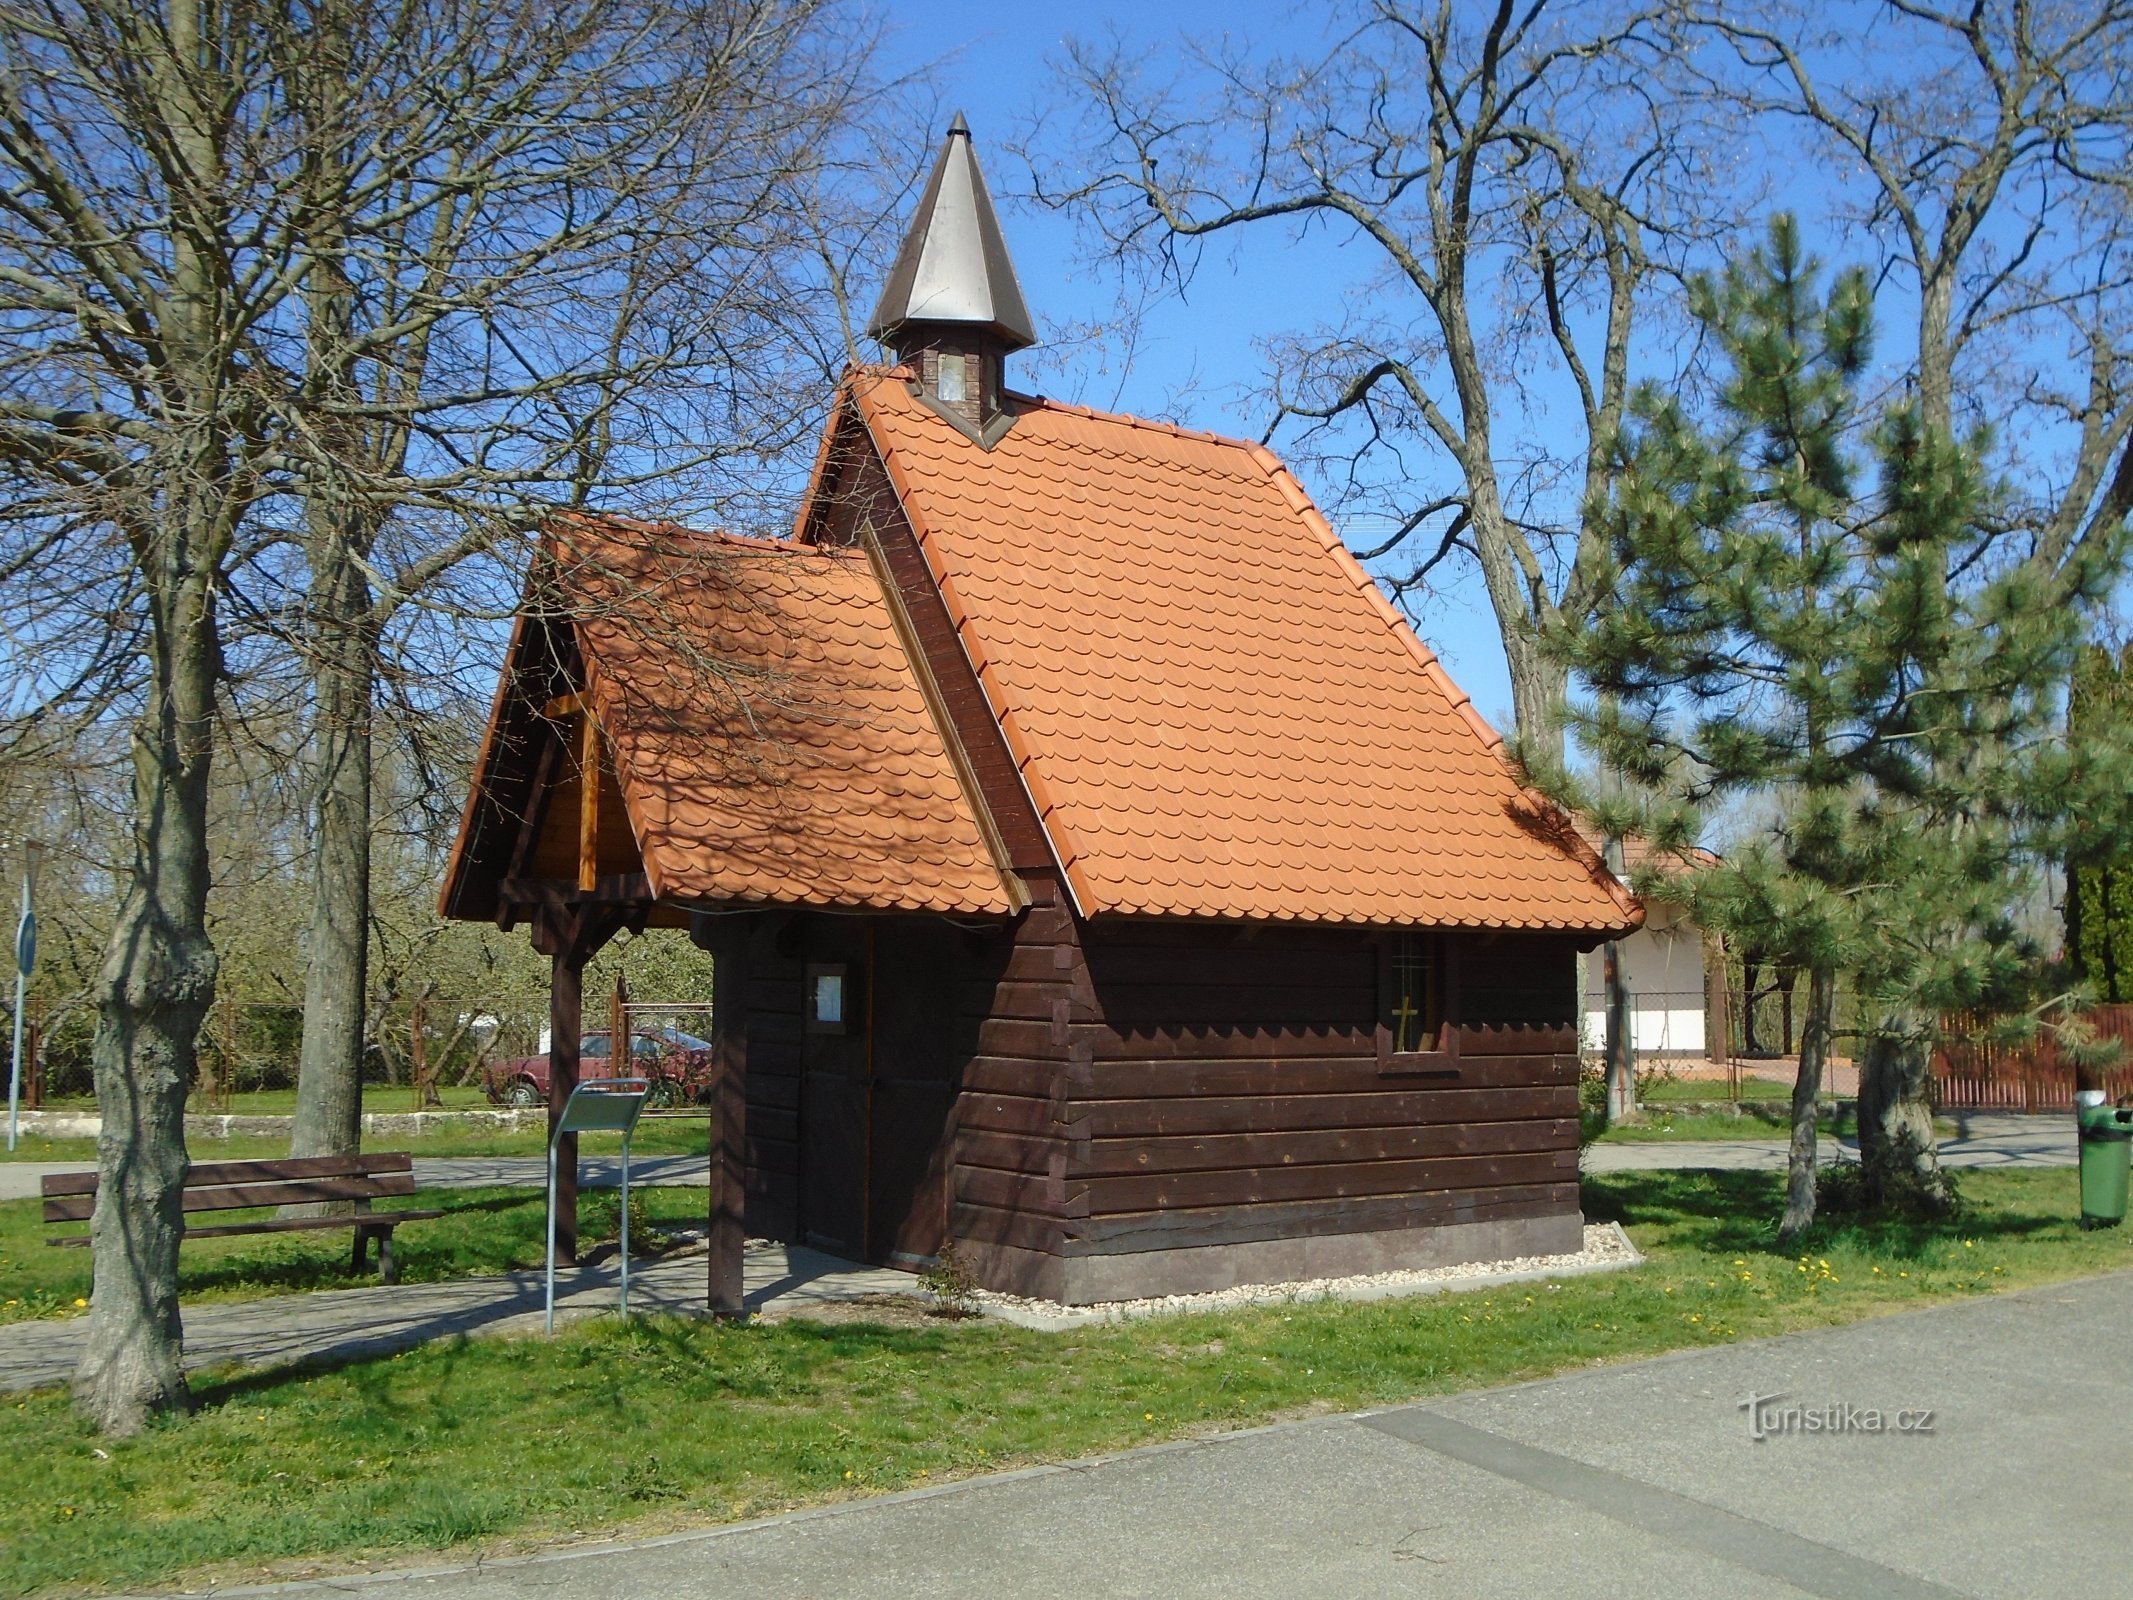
(2099, 883)
(1815, 614)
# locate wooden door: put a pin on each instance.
(833, 1088)
(913, 1011)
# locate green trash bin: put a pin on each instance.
(2106, 1137)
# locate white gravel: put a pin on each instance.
(1607, 1249)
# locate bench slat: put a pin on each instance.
(376, 1219)
(218, 1172)
(234, 1197)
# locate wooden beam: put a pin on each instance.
(529, 826)
(615, 889)
(588, 805)
(564, 705)
(566, 999)
(728, 939)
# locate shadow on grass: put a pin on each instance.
(601, 1363)
(1734, 1212)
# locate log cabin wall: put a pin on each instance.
(1024, 992)
(1229, 1119)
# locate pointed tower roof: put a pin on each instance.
(954, 266)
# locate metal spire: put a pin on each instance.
(954, 266)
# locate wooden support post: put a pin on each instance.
(566, 1001)
(728, 942)
(588, 804)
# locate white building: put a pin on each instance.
(1663, 969)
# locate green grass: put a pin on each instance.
(1659, 1088)
(657, 1135)
(482, 1231)
(668, 1423)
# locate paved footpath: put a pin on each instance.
(1983, 1139)
(1628, 1481)
(346, 1324)
(19, 1180)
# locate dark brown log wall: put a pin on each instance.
(1018, 1004)
(1226, 1088)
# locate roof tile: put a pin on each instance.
(770, 738)
(1215, 710)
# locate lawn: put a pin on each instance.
(482, 1231)
(658, 1134)
(482, 1444)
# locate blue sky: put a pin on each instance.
(1196, 361)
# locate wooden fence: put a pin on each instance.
(1970, 1073)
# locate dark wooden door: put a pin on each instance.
(833, 1094)
(914, 1005)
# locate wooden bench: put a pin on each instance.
(306, 1180)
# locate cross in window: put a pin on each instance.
(1405, 1014)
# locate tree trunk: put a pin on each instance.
(1815, 1032)
(1538, 686)
(1898, 1154)
(1621, 1042)
(329, 1080)
(156, 983)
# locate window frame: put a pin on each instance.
(1439, 1055)
(815, 971)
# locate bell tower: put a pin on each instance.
(952, 310)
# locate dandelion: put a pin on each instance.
(79, 1303)
(1147, 1416)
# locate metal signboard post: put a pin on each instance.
(25, 958)
(603, 1105)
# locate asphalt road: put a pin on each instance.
(1627, 1481)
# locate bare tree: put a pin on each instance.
(357, 260)
(1521, 175)
(1988, 151)
(136, 261)
(620, 282)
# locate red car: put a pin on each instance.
(679, 1065)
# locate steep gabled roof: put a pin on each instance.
(954, 266)
(1214, 710)
(769, 737)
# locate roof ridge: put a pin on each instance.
(1129, 419)
(1072, 408)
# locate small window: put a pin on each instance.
(829, 998)
(1412, 1033)
(954, 378)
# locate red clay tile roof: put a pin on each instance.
(1215, 711)
(770, 739)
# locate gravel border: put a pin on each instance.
(1607, 1249)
